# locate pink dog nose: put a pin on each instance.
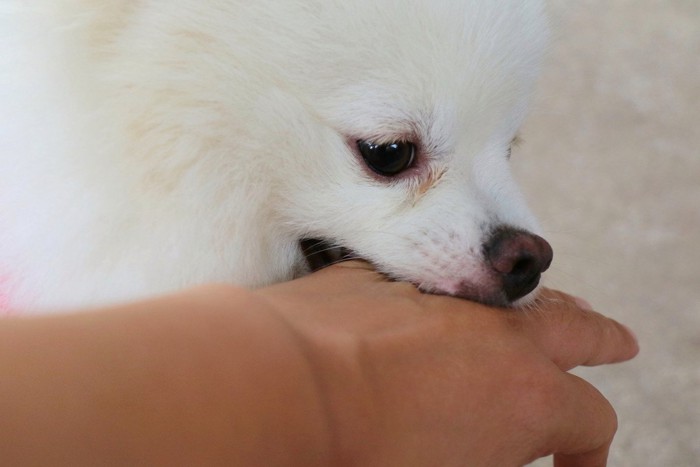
(519, 258)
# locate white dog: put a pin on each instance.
(155, 144)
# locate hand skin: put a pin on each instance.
(338, 368)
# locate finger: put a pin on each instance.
(596, 458)
(588, 425)
(571, 335)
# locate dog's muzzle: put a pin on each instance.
(514, 261)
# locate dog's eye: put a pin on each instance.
(388, 159)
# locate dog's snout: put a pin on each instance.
(518, 258)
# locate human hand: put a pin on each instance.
(338, 368)
(413, 379)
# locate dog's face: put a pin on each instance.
(379, 126)
(411, 110)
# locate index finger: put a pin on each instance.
(571, 335)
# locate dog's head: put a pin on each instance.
(398, 130)
(383, 127)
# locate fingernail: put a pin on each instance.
(632, 333)
(583, 304)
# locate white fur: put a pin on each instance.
(148, 145)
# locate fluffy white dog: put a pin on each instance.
(149, 145)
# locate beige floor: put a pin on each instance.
(611, 163)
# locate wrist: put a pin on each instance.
(283, 417)
(335, 362)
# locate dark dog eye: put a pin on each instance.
(388, 159)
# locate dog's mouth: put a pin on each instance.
(514, 261)
(323, 253)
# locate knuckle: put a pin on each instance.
(538, 394)
(607, 415)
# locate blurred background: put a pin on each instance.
(611, 164)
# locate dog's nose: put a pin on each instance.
(518, 258)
